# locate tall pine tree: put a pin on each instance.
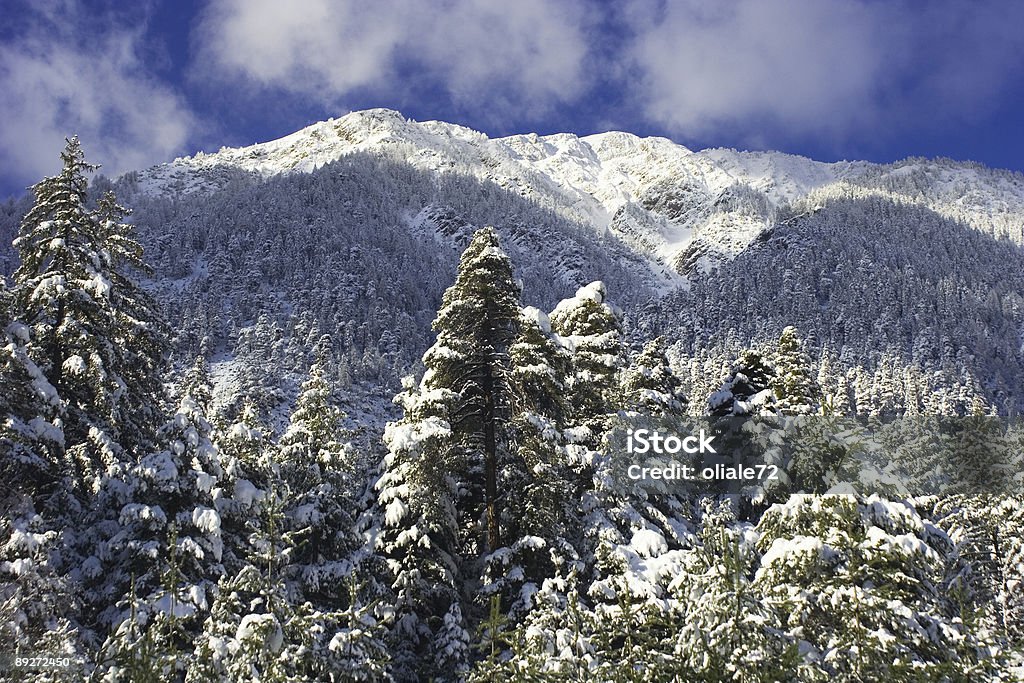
(443, 507)
(95, 335)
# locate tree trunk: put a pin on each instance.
(491, 462)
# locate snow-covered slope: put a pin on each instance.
(681, 209)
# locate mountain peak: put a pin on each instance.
(681, 209)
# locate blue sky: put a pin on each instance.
(146, 81)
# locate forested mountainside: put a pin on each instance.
(906, 274)
(488, 532)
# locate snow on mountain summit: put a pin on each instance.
(681, 209)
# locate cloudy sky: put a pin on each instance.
(143, 82)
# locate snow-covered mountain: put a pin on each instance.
(679, 208)
(908, 274)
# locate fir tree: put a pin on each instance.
(169, 547)
(860, 583)
(440, 483)
(475, 326)
(747, 390)
(796, 390)
(649, 385)
(592, 329)
(538, 519)
(95, 334)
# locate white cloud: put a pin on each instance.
(811, 68)
(532, 52)
(57, 80)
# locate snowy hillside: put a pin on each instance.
(908, 273)
(675, 206)
(373, 454)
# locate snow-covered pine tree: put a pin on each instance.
(476, 325)
(538, 523)
(796, 390)
(861, 586)
(167, 555)
(328, 569)
(257, 629)
(724, 629)
(650, 386)
(419, 532)
(246, 440)
(747, 390)
(747, 422)
(95, 335)
(196, 383)
(623, 530)
(318, 470)
(39, 606)
(988, 530)
(819, 444)
(592, 328)
(31, 440)
(439, 491)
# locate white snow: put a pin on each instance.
(657, 196)
(245, 492)
(648, 543)
(262, 626)
(537, 317)
(395, 512)
(783, 550)
(206, 519)
(74, 365)
(159, 467)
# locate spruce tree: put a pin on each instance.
(439, 492)
(168, 553)
(862, 583)
(475, 326)
(650, 386)
(538, 523)
(95, 334)
(592, 329)
(747, 390)
(796, 390)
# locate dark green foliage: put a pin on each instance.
(96, 335)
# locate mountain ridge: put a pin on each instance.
(909, 273)
(664, 199)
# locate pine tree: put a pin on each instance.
(538, 520)
(95, 335)
(748, 426)
(796, 391)
(650, 386)
(860, 583)
(747, 390)
(39, 605)
(592, 329)
(440, 481)
(475, 326)
(320, 493)
(196, 383)
(29, 405)
(419, 531)
(169, 547)
(245, 638)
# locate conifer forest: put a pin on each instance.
(366, 423)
